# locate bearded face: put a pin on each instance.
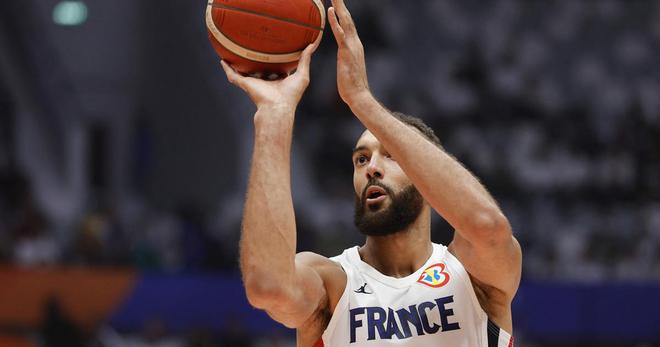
(380, 212)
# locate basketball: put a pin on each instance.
(264, 37)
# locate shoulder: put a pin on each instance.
(499, 266)
(334, 280)
(333, 275)
(314, 259)
(321, 264)
(494, 279)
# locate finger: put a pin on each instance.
(344, 16)
(337, 30)
(232, 76)
(315, 44)
(305, 59)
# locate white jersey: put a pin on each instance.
(435, 306)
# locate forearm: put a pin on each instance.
(268, 236)
(445, 184)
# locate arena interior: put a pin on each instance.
(124, 156)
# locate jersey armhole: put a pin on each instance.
(496, 337)
(465, 278)
(341, 306)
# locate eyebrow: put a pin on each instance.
(359, 148)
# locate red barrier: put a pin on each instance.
(11, 341)
(87, 296)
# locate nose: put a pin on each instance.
(374, 169)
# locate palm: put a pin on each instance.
(351, 71)
(287, 91)
(351, 68)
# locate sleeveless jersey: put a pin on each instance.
(435, 306)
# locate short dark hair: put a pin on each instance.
(418, 124)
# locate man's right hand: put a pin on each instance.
(290, 288)
(285, 92)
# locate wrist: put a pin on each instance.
(361, 100)
(276, 107)
(271, 115)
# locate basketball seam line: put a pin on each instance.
(232, 8)
(267, 53)
(214, 31)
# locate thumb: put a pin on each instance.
(306, 58)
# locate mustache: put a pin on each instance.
(375, 182)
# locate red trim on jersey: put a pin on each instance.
(511, 342)
(319, 343)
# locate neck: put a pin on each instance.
(402, 253)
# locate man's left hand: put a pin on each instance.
(351, 68)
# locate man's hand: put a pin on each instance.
(284, 92)
(351, 69)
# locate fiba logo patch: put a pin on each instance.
(434, 276)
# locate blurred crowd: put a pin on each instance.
(554, 105)
(105, 236)
(58, 329)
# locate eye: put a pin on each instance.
(361, 159)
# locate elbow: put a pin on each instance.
(276, 300)
(490, 228)
(262, 292)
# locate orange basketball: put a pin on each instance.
(264, 37)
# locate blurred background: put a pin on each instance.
(124, 156)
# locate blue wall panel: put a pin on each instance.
(542, 311)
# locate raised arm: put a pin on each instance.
(289, 290)
(484, 242)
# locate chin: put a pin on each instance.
(394, 214)
(375, 208)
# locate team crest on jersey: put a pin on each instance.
(434, 276)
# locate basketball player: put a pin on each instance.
(399, 288)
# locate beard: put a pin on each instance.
(403, 210)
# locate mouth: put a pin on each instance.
(375, 195)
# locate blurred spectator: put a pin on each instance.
(202, 338)
(101, 240)
(235, 334)
(555, 106)
(29, 233)
(154, 334)
(57, 329)
(32, 243)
